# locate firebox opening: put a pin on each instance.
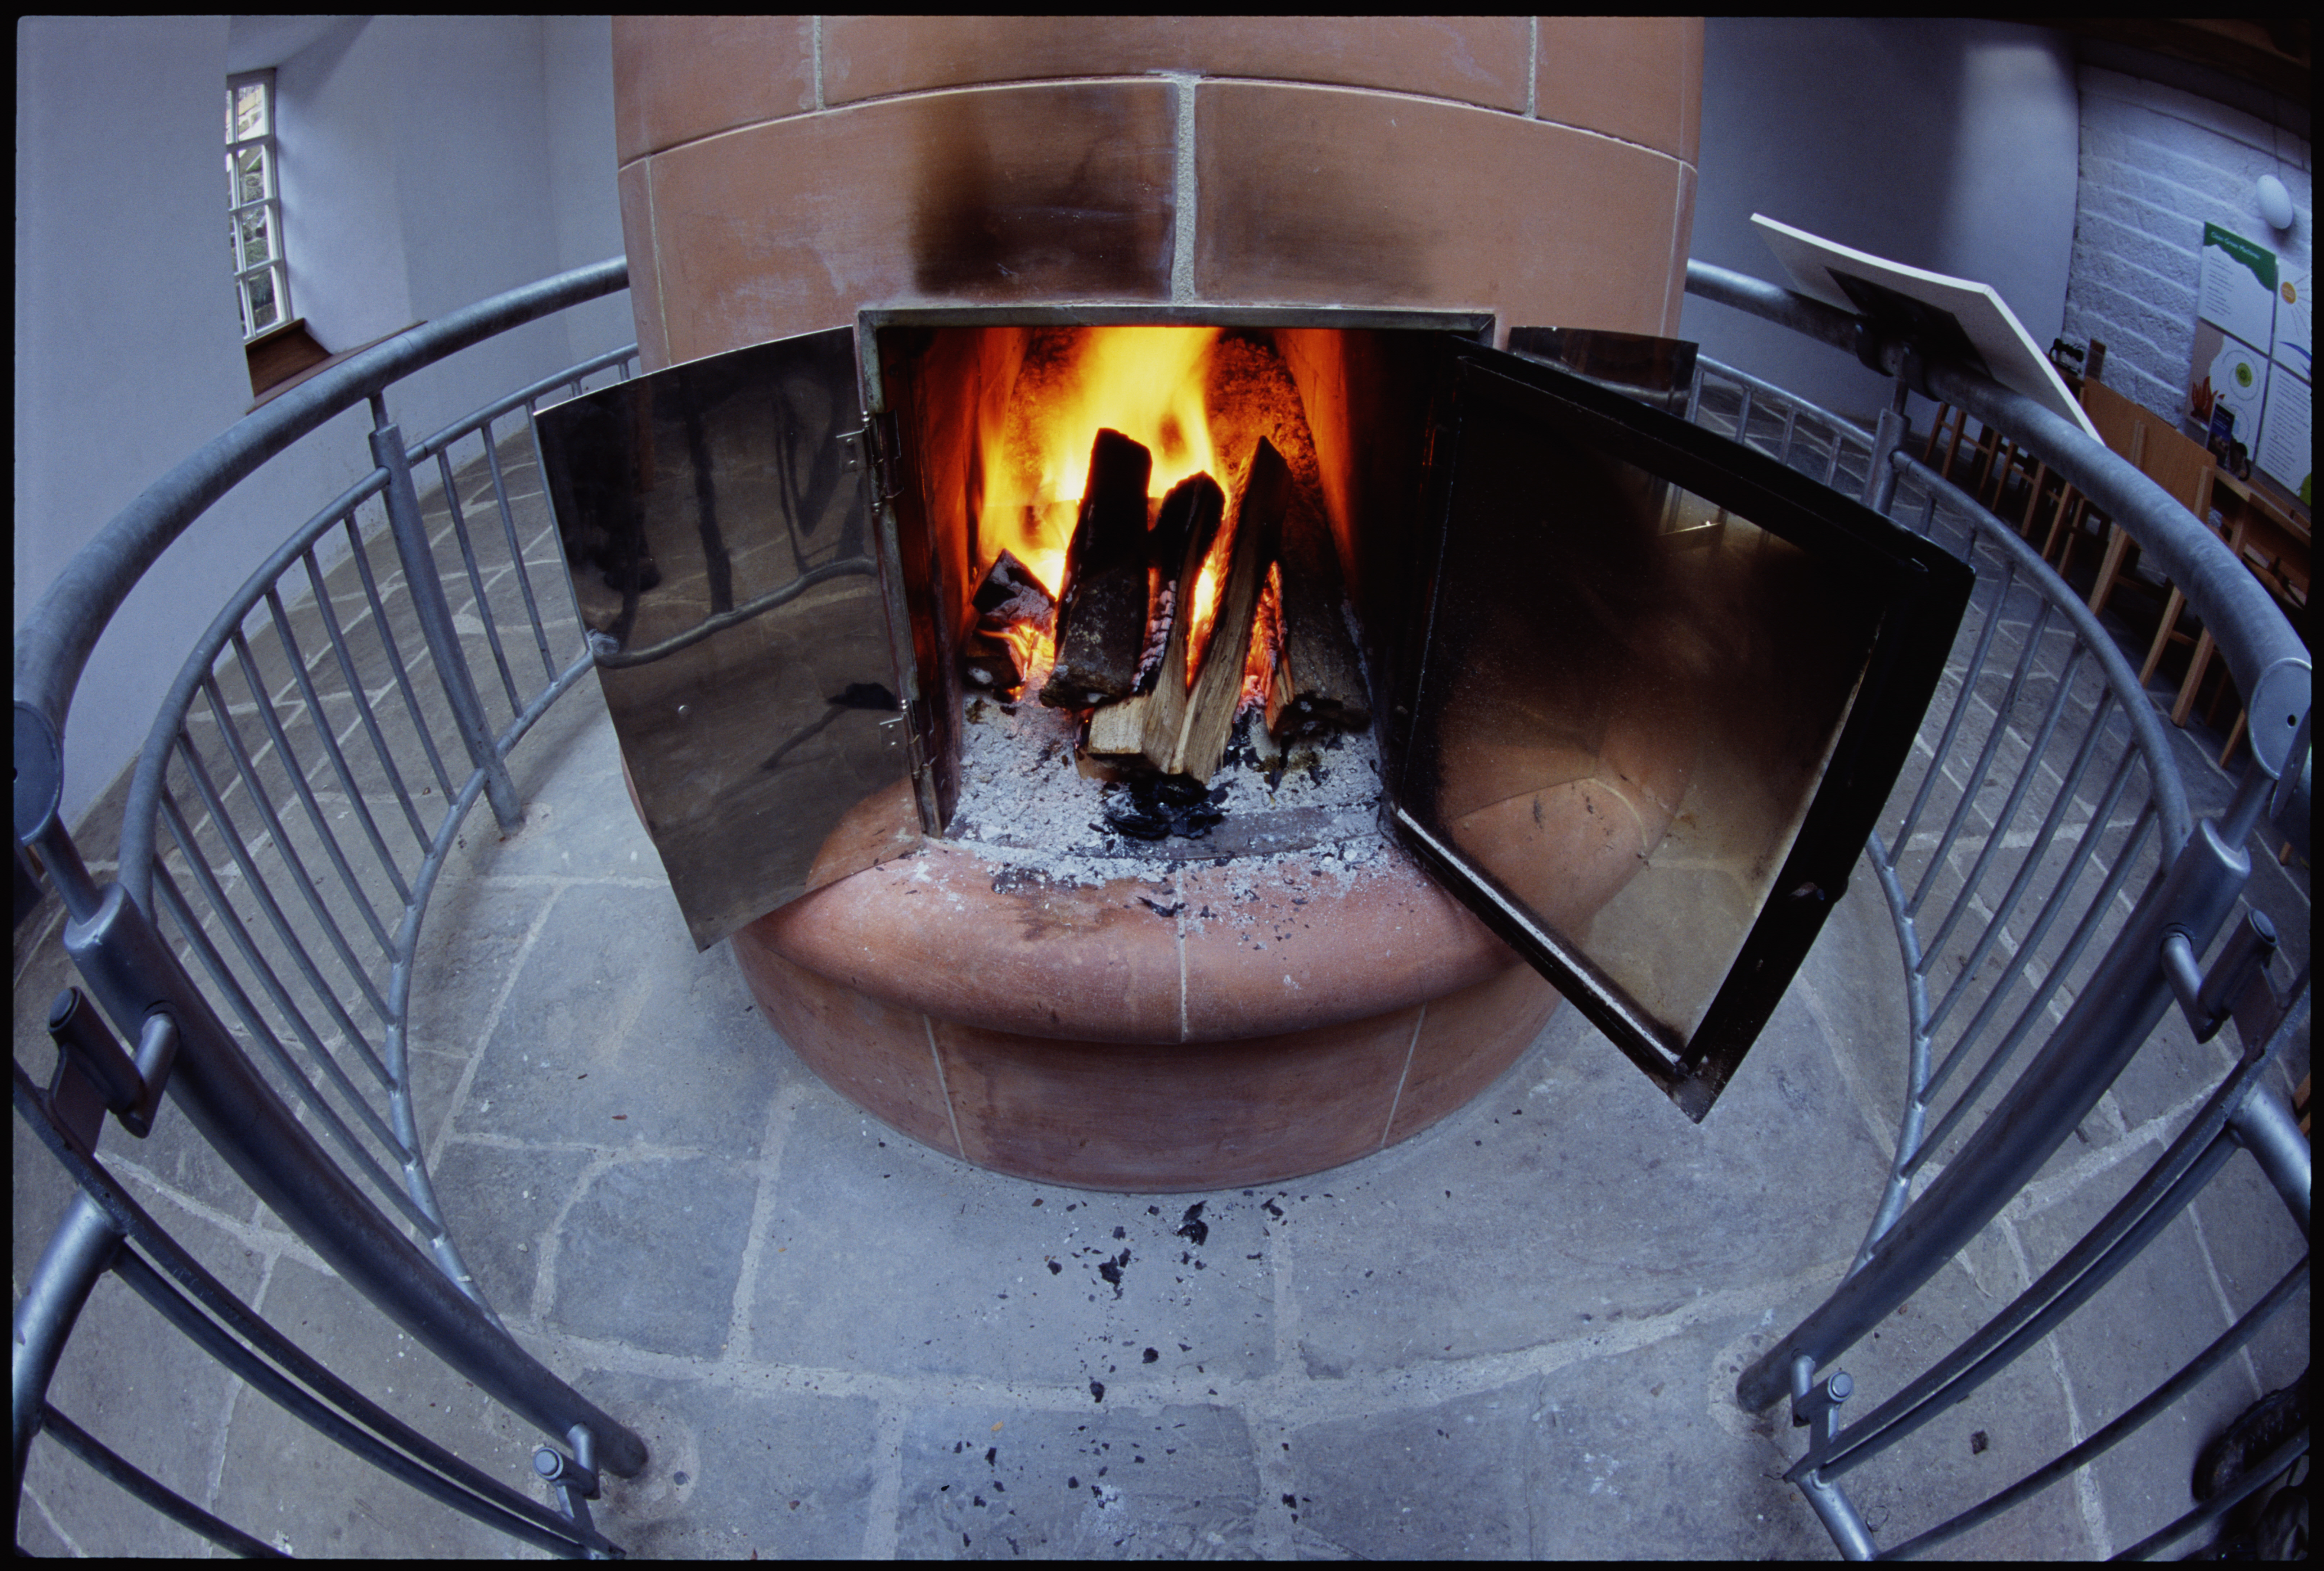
(1186, 541)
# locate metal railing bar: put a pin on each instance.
(1918, 1047)
(570, 378)
(2177, 820)
(53, 642)
(2151, 1205)
(416, 1181)
(2027, 773)
(2085, 844)
(145, 781)
(1974, 779)
(476, 581)
(297, 770)
(370, 718)
(339, 767)
(212, 1339)
(395, 663)
(128, 1476)
(2039, 1004)
(272, 986)
(2136, 1417)
(516, 550)
(298, 871)
(1954, 716)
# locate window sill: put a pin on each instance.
(304, 369)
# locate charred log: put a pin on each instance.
(1316, 684)
(1186, 526)
(1010, 596)
(1102, 612)
(1182, 726)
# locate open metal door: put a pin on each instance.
(716, 526)
(1662, 685)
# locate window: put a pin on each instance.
(255, 198)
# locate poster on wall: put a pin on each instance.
(2295, 324)
(2287, 451)
(2228, 396)
(2238, 287)
(2237, 323)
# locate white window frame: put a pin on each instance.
(272, 270)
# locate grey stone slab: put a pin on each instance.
(1165, 1482)
(651, 1251)
(881, 1253)
(1549, 1205)
(290, 1484)
(502, 1205)
(616, 1033)
(736, 1474)
(467, 953)
(1426, 1484)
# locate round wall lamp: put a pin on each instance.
(2274, 202)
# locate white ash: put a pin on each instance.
(1025, 805)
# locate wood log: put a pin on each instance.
(1211, 702)
(1011, 596)
(1185, 526)
(1101, 609)
(989, 665)
(1317, 685)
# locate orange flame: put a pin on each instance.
(1146, 382)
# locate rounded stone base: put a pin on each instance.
(1213, 1031)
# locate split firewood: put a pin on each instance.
(1183, 725)
(1317, 685)
(1101, 611)
(1211, 702)
(1184, 529)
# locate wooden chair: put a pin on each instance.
(2183, 467)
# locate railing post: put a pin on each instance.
(79, 1253)
(435, 613)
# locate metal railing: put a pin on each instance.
(2051, 886)
(2042, 865)
(280, 844)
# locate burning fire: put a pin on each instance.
(1146, 383)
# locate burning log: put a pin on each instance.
(1008, 599)
(1184, 726)
(1181, 539)
(1316, 684)
(1101, 614)
(1010, 596)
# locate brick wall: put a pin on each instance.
(2156, 165)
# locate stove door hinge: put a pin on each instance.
(871, 450)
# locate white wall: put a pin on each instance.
(428, 163)
(1946, 144)
(2156, 165)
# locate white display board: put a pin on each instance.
(1838, 275)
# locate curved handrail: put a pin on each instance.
(2270, 665)
(55, 642)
